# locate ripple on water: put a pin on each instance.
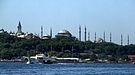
(10, 68)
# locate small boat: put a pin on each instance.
(40, 59)
(29, 61)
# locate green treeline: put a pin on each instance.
(12, 47)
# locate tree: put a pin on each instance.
(93, 57)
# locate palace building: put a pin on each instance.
(21, 34)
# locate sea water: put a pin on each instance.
(18, 68)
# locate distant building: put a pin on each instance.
(1, 30)
(19, 31)
(12, 34)
(30, 35)
(99, 40)
(46, 36)
(132, 57)
(64, 33)
(21, 34)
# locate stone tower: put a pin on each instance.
(79, 33)
(85, 34)
(19, 28)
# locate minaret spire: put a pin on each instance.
(88, 36)
(95, 37)
(104, 37)
(79, 33)
(128, 40)
(121, 39)
(41, 32)
(110, 37)
(51, 32)
(85, 34)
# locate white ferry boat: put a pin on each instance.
(40, 59)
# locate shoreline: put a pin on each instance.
(79, 62)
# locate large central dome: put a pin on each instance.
(64, 33)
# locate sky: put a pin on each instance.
(115, 16)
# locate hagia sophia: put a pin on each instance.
(63, 32)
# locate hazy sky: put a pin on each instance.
(116, 16)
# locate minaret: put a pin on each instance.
(79, 33)
(110, 37)
(51, 32)
(41, 32)
(104, 37)
(128, 40)
(85, 34)
(88, 36)
(19, 28)
(121, 39)
(95, 37)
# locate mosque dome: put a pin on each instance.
(98, 40)
(46, 36)
(64, 33)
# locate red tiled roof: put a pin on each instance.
(131, 55)
(83, 53)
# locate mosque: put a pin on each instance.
(63, 32)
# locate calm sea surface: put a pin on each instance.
(17, 68)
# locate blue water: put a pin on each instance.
(17, 68)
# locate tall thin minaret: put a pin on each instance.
(95, 37)
(104, 37)
(110, 37)
(88, 36)
(41, 32)
(79, 33)
(121, 39)
(85, 34)
(128, 40)
(51, 32)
